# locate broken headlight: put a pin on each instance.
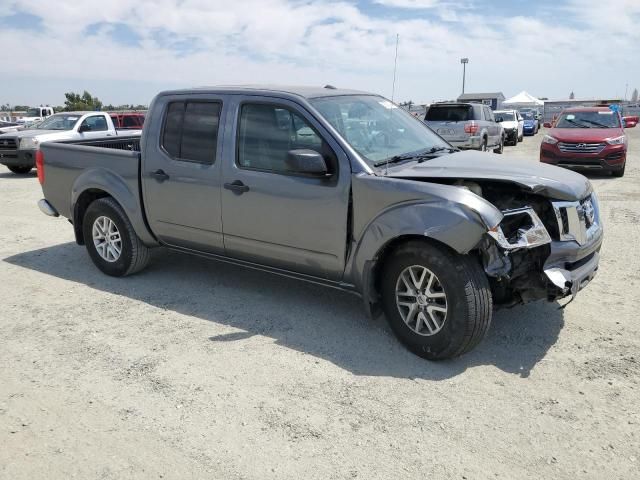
(520, 228)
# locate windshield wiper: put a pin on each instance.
(581, 125)
(598, 124)
(420, 156)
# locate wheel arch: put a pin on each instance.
(452, 226)
(100, 183)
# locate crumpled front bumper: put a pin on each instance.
(571, 266)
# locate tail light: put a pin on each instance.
(40, 166)
(471, 127)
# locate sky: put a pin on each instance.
(125, 51)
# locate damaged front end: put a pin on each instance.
(542, 249)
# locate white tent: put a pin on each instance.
(524, 99)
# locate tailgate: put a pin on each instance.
(450, 130)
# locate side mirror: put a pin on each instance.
(499, 119)
(630, 123)
(83, 128)
(546, 124)
(306, 162)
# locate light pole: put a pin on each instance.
(464, 62)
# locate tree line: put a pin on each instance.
(77, 102)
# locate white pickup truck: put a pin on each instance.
(18, 149)
(35, 115)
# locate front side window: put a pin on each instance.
(96, 123)
(268, 132)
(190, 131)
(377, 129)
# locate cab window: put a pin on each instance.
(267, 132)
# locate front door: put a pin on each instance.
(271, 215)
(181, 172)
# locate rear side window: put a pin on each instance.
(450, 113)
(190, 131)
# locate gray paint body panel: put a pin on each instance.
(287, 224)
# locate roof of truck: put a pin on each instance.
(300, 91)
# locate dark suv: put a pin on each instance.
(466, 125)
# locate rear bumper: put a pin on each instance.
(46, 208)
(612, 157)
(466, 144)
(529, 130)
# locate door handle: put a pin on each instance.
(237, 187)
(160, 176)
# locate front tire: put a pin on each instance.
(112, 243)
(619, 173)
(437, 302)
(19, 170)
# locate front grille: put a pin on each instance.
(8, 143)
(578, 221)
(566, 147)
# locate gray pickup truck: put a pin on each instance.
(336, 187)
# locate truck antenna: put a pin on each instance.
(393, 92)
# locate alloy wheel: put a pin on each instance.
(107, 239)
(421, 300)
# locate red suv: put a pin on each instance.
(587, 138)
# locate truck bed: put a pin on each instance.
(114, 160)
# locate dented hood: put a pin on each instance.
(552, 182)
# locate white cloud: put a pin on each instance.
(409, 3)
(327, 41)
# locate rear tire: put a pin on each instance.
(500, 148)
(19, 170)
(111, 241)
(467, 300)
(483, 145)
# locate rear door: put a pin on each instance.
(181, 171)
(271, 215)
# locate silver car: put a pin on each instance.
(469, 126)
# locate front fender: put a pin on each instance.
(454, 225)
(126, 194)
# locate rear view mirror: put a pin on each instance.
(546, 124)
(306, 162)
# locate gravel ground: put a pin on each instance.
(196, 369)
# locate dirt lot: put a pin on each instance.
(195, 369)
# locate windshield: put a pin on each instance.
(449, 113)
(32, 112)
(376, 128)
(589, 119)
(59, 121)
(527, 115)
(504, 117)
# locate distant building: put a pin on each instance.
(494, 100)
